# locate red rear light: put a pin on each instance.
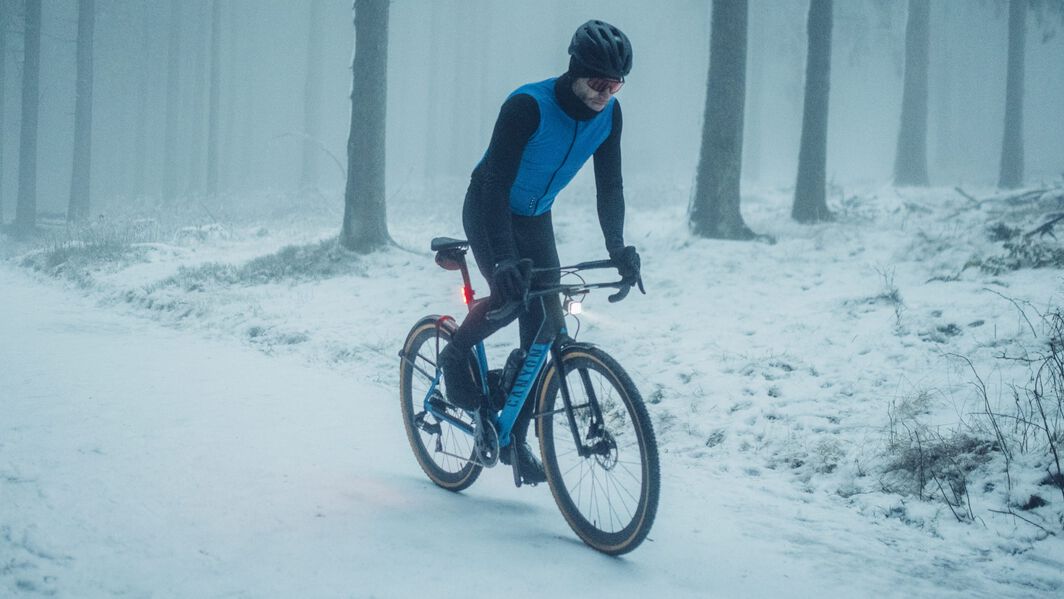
(467, 295)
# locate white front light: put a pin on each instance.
(574, 307)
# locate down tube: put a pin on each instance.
(526, 380)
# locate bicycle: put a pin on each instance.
(596, 441)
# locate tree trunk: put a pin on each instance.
(810, 202)
(212, 102)
(943, 96)
(754, 87)
(4, 16)
(1011, 175)
(80, 179)
(173, 101)
(140, 158)
(246, 139)
(26, 209)
(312, 99)
(910, 162)
(436, 118)
(365, 218)
(233, 46)
(715, 204)
(196, 133)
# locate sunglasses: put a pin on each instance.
(600, 84)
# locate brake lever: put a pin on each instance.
(508, 309)
(621, 294)
(627, 287)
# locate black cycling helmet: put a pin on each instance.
(600, 49)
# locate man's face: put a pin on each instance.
(595, 100)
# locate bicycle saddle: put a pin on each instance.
(446, 243)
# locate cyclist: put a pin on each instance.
(544, 133)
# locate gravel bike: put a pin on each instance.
(595, 436)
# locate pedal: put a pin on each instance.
(432, 428)
(439, 404)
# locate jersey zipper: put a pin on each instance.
(534, 204)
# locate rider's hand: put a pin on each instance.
(626, 259)
(511, 279)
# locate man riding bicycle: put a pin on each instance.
(544, 134)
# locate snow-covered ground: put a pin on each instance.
(204, 412)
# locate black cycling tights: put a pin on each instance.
(534, 238)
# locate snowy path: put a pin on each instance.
(139, 460)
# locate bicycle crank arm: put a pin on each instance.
(464, 458)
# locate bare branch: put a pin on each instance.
(965, 194)
(1014, 303)
(1046, 228)
(1009, 512)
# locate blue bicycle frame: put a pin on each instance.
(450, 255)
(504, 421)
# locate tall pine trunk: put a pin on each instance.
(910, 162)
(212, 102)
(80, 179)
(943, 97)
(196, 133)
(4, 16)
(308, 176)
(810, 201)
(26, 209)
(227, 152)
(365, 225)
(715, 203)
(436, 117)
(754, 93)
(173, 101)
(1011, 175)
(140, 155)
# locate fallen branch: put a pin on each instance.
(965, 194)
(1009, 512)
(1046, 228)
(1025, 195)
(1012, 199)
(946, 499)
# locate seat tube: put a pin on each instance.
(482, 365)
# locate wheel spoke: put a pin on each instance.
(438, 454)
(606, 492)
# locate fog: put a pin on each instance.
(452, 63)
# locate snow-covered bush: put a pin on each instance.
(98, 245)
(292, 263)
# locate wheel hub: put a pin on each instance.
(605, 451)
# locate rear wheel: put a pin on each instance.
(606, 478)
(443, 451)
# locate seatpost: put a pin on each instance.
(467, 285)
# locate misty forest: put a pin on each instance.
(842, 342)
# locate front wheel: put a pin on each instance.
(602, 462)
(444, 452)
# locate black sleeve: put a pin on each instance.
(609, 184)
(518, 120)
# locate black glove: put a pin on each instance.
(511, 279)
(626, 259)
